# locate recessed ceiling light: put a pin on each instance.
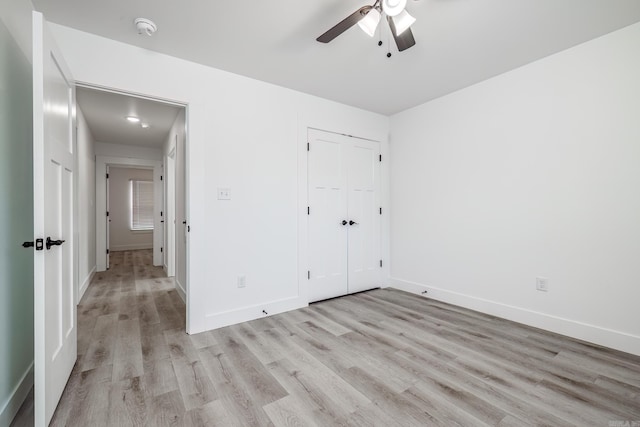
(144, 125)
(133, 119)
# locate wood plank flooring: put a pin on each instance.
(379, 358)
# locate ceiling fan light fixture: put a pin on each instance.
(369, 23)
(403, 21)
(393, 7)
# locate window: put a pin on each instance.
(141, 205)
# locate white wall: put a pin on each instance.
(176, 139)
(130, 151)
(242, 134)
(16, 207)
(86, 197)
(121, 237)
(531, 173)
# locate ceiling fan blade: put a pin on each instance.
(344, 25)
(405, 40)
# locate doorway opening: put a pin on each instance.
(130, 213)
(138, 147)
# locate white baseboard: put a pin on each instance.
(11, 406)
(219, 320)
(85, 284)
(582, 331)
(132, 247)
(181, 291)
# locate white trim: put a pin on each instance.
(17, 397)
(232, 317)
(85, 284)
(181, 291)
(129, 93)
(571, 328)
(131, 247)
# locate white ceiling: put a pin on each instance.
(459, 42)
(106, 114)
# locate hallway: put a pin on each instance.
(123, 320)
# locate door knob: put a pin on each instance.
(353, 223)
(344, 222)
(53, 243)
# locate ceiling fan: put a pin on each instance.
(368, 18)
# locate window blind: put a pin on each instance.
(141, 205)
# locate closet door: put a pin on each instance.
(344, 215)
(363, 183)
(327, 198)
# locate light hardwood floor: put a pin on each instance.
(380, 358)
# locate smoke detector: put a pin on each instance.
(145, 26)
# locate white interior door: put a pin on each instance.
(170, 179)
(364, 215)
(53, 146)
(344, 215)
(327, 197)
(108, 220)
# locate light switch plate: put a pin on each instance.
(224, 194)
(542, 284)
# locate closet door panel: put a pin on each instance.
(327, 195)
(364, 210)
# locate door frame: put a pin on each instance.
(170, 213)
(102, 164)
(304, 125)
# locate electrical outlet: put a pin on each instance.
(542, 284)
(242, 281)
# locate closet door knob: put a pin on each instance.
(353, 223)
(344, 222)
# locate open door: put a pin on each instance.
(53, 152)
(108, 220)
(170, 211)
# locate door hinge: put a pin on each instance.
(160, 177)
(161, 249)
(380, 263)
(107, 176)
(308, 210)
(308, 275)
(107, 213)
(160, 213)
(380, 157)
(380, 211)
(107, 251)
(39, 244)
(188, 228)
(308, 146)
